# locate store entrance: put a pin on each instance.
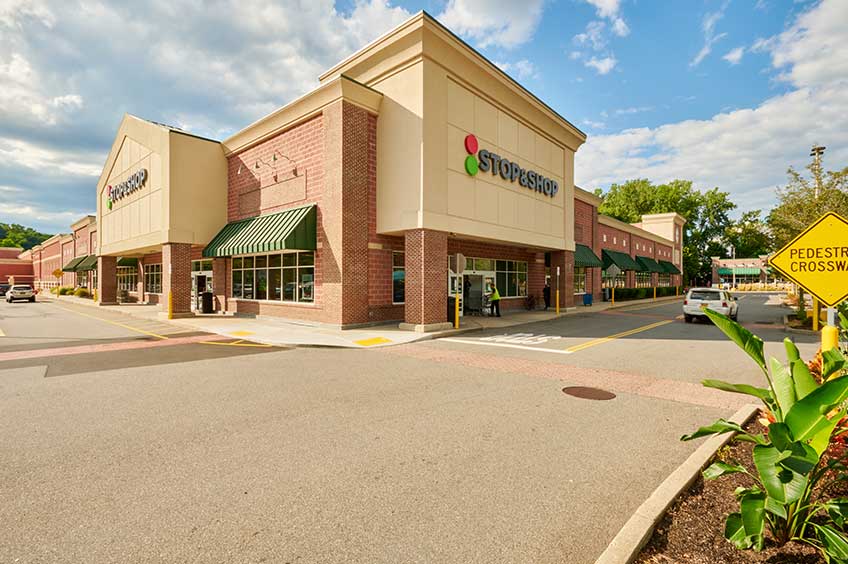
(200, 282)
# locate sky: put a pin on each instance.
(726, 93)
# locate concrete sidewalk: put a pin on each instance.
(285, 332)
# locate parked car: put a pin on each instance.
(3, 289)
(699, 299)
(20, 292)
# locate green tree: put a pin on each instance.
(749, 235)
(706, 215)
(15, 235)
(798, 205)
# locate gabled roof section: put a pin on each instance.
(425, 20)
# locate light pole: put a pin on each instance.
(733, 266)
(816, 153)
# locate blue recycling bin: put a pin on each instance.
(587, 299)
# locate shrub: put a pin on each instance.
(81, 293)
(65, 290)
(803, 418)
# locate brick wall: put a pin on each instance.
(426, 277)
(176, 276)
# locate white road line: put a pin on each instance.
(504, 345)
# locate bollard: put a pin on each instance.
(456, 312)
(170, 305)
(829, 337)
(557, 301)
(655, 293)
(94, 295)
(613, 296)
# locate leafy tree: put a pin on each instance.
(799, 207)
(749, 235)
(706, 214)
(14, 235)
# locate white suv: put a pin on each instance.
(699, 299)
(20, 292)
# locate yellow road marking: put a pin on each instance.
(242, 333)
(130, 327)
(239, 343)
(2, 334)
(372, 341)
(603, 340)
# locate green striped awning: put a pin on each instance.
(72, 266)
(583, 256)
(669, 267)
(291, 229)
(127, 261)
(87, 263)
(739, 270)
(649, 264)
(621, 260)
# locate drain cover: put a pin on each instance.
(584, 392)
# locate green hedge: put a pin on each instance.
(625, 294)
(81, 293)
(65, 291)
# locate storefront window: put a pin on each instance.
(664, 280)
(398, 278)
(511, 277)
(287, 277)
(127, 278)
(579, 279)
(201, 265)
(153, 278)
(610, 282)
(643, 280)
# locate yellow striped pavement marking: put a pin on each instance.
(124, 325)
(242, 333)
(602, 340)
(372, 341)
(2, 334)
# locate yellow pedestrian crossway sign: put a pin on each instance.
(817, 259)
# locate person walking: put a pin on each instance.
(495, 300)
(546, 293)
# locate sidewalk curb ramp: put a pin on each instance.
(626, 545)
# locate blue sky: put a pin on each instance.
(727, 93)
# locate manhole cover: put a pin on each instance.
(584, 392)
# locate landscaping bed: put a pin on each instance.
(692, 531)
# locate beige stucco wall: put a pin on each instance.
(155, 214)
(436, 90)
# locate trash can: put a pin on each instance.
(206, 302)
(452, 309)
(587, 299)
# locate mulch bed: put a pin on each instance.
(692, 531)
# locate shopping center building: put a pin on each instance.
(349, 205)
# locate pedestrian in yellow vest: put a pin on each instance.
(495, 300)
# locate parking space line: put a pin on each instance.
(130, 327)
(603, 340)
(504, 345)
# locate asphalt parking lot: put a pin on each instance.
(123, 441)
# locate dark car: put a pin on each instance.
(3, 289)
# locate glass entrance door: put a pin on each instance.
(200, 282)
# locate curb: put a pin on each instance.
(789, 329)
(636, 532)
(646, 301)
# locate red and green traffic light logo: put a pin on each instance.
(471, 146)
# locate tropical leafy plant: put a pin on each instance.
(788, 492)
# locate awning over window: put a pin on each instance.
(739, 270)
(290, 229)
(649, 265)
(72, 266)
(127, 261)
(621, 260)
(583, 256)
(87, 263)
(669, 267)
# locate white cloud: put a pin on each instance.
(620, 28)
(734, 56)
(708, 27)
(520, 69)
(593, 36)
(12, 12)
(746, 151)
(610, 10)
(602, 66)
(633, 110)
(50, 162)
(593, 124)
(26, 214)
(501, 23)
(23, 98)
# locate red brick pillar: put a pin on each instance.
(107, 280)
(426, 280)
(176, 278)
(536, 279)
(221, 283)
